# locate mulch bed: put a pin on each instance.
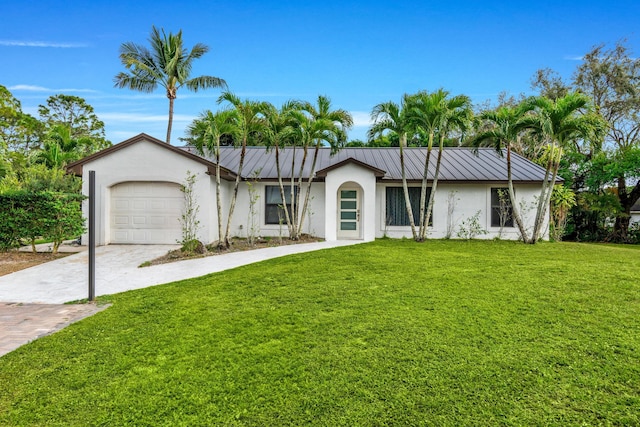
(14, 261)
(237, 245)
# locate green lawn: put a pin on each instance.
(387, 333)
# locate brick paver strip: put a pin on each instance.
(23, 323)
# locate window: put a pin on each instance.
(396, 211)
(274, 212)
(501, 210)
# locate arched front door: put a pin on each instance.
(349, 215)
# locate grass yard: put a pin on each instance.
(445, 333)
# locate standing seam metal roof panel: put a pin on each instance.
(458, 164)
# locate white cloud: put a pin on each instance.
(361, 119)
(33, 88)
(573, 58)
(20, 43)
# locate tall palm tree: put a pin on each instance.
(167, 64)
(560, 124)
(504, 126)
(437, 115)
(391, 117)
(325, 126)
(249, 122)
(206, 133)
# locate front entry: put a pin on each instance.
(349, 213)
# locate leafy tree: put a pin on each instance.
(389, 117)
(611, 78)
(18, 131)
(79, 117)
(356, 143)
(550, 84)
(167, 64)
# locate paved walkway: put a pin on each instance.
(23, 323)
(30, 298)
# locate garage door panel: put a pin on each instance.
(146, 212)
(119, 220)
(160, 220)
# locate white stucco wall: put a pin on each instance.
(350, 174)
(467, 199)
(314, 221)
(146, 161)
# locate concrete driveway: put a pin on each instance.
(66, 279)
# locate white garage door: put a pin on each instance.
(146, 213)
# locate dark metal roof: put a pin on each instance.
(636, 207)
(458, 164)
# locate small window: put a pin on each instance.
(501, 210)
(396, 210)
(274, 211)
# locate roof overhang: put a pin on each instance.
(379, 173)
(76, 167)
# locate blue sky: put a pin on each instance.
(357, 53)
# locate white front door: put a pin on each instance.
(349, 213)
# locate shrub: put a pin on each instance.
(28, 215)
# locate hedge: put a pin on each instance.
(48, 215)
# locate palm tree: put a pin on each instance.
(60, 148)
(248, 123)
(324, 126)
(560, 124)
(280, 131)
(391, 117)
(206, 133)
(168, 64)
(506, 126)
(437, 115)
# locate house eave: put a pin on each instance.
(76, 167)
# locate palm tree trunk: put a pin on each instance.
(298, 219)
(218, 197)
(170, 124)
(234, 197)
(281, 185)
(432, 196)
(292, 193)
(423, 190)
(306, 196)
(512, 197)
(405, 187)
(545, 196)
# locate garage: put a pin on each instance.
(145, 213)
